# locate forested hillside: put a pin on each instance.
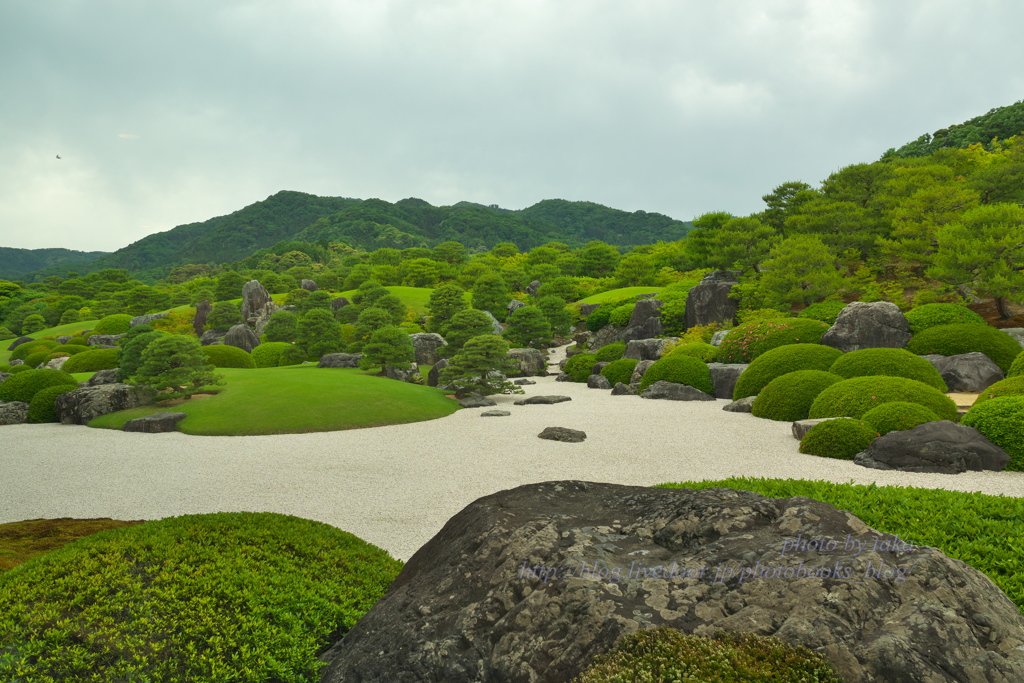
(1001, 122)
(14, 263)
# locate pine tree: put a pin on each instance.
(527, 326)
(464, 326)
(175, 362)
(318, 333)
(444, 303)
(490, 293)
(388, 347)
(480, 368)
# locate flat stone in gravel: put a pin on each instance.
(157, 423)
(563, 434)
(621, 389)
(743, 405)
(523, 382)
(801, 427)
(495, 413)
(542, 400)
(477, 402)
(598, 382)
(673, 391)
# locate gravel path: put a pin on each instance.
(397, 486)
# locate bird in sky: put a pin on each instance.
(58, 156)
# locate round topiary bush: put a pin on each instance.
(225, 356)
(268, 354)
(665, 654)
(1017, 366)
(930, 315)
(789, 397)
(898, 416)
(891, 362)
(25, 350)
(856, 396)
(119, 323)
(841, 438)
(682, 370)
(780, 361)
(293, 355)
(825, 311)
(19, 368)
(621, 315)
(246, 597)
(706, 352)
(22, 386)
(610, 352)
(77, 341)
(43, 407)
(34, 359)
(578, 367)
(1001, 421)
(1012, 386)
(950, 340)
(599, 317)
(620, 370)
(92, 361)
(746, 342)
(68, 350)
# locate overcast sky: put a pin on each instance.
(166, 113)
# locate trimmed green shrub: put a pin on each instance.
(891, 362)
(293, 355)
(789, 397)
(1000, 419)
(81, 341)
(134, 332)
(19, 368)
(841, 438)
(246, 597)
(268, 354)
(33, 360)
(129, 356)
(92, 361)
(43, 407)
(746, 342)
(578, 367)
(855, 396)
(665, 654)
(950, 340)
(930, 315)
(22, 386)
(620, 370)
(28, 348)
(1012, 386)
(898, 416)
(5, 368)
(225, 356)
(1017, 366)
(610, 352)
(706, 352)
(621, 315)
(780, 361)
(67, 350)
(682, 370)
(599, 317)
(825, 311)
(119, 323)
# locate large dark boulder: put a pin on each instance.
(532, 583)
(532, 362)
(477, 402)
(254, 297)
(203, 309)
(514, 305)
(18, 342)
(944, 447)
(644, 310)
(709, 301)
(651, 327)
(609, 334)
(80, 406)
(532, 288)
(647, 349)
(966, 372)
(148, 318)
(308, 285)
(339, 303)
(673, 391)
(102, 377)
(724, 377)
(13, 412)
(243, 337)
(425, 346)
(598, 382)
(587, 309)
(861, 325)
(211, 337)
(639, 370)
(157, 423)
(621, 389)
(340, 360)
(434, 373)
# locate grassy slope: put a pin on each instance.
(620, 293)
(296, 399)
(415, 298)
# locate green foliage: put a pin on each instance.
(601, 315)
(84, 342)
(32, 324)
(490, 293)
(621, 315)
(1000, 122)
(950, 340)
(1011, 386)
(465, 325)
(800, 270)
(268, 354)
(564, 288)
(129, 356)
(681, 370)
(665, 654)
(620, 370)
(556, 313)
(317, 299)
(825, 311)
(473, 369)
(126, 338)
(319, 333)
(445, 302)
(527, 327)
(19, 368)
(706, 352)
(226, 356)
(119, 323)
(229, 286)
(789, 397)
(22, 385)
(282, 327)
(251, 569)
(898, 416)
(393, 305)
(1016, 367)
(856, 396)
(43, 407)
(293, 355)
(36, 358)
(177, 363)
(578, 367)
(92, 361)
(1001, 421)
(746, 342)
(930, 315)
(23, 351)
(841, 438)
(224, 316)
(388, 347)
(891, 362)
(610, 352)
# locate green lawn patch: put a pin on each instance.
(979, 529)
(297, 399)
(621, 293)
(58, 331)
(414, 298)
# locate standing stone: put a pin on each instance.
(709, 301)
(262, 317)
(242, 337)
(339, 303)
(515, 305)
(587, 309)
(532, 362)
(971, 372)
(18, 342)
(425, 345)
(148, 318)
(203, 309)
(309, 286)
(861, 325)
(254, 297)
(532, 288)
(724, 377)
(434, 373)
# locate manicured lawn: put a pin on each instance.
(415, 298)
(621, 293)
(296, 399)
(58, 331)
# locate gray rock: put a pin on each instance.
(425, 345)
(598, 382)
(709, 301)
(563, 377)
(308, 285)
(102, 377)
(943, 447)
(609, 334)
(563, 434)
(861, 325)
(597, 367)
(477, 402)
(647, 349)
(542, 400)
(621, 389)
(743, 405)
(339, 303)
(644, 310)
(13, 413)
(530, 584)
(569, 353)
(523, 382)
(640, 370)
(57, 363)
(1015, 332)
(4, 375)
(411, 374)
(515, 305)
(254, 297)
(495, 325)
(724, 377)
(434, 373)
(15, 361)
(104, 339)
(211, 337)
(18, 342)
(532, 288)
(81, 406)
(717, 337)
(966, 372)
(63, 339)
(148, 318)
(587, 309)
(241, 336)
(261, 317)
(532, 362)
(495, 413)
(203, 309)
(651, 327)
(673, 391)
(157, 423)
(340, 360)
(721, 276)
(801, 427)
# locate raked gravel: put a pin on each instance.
(396, 486)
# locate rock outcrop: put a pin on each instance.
(13, 412)
(673, 391)
(861, 325)
(944, 447)
(532, 362)
(709, 301)
(340, 360)
(241, 336)
(425, 346)
(203, 309)
(254, 297)
(308, 285)
(157, 423)
(966, 372)
(80, 406)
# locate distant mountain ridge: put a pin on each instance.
(14, 263)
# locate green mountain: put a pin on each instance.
(14, 263)
(1001, 122)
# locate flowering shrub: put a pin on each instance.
(746, 342)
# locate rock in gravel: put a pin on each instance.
(541, 400)
(639, 370)
(724, 376)
(477, 402)
(598, 382)
(863, 325)
(801, 427)
(157, 423)
(943, 447)
(495, 413)
(523, 382)
(530, 584)
(621, 389)
(563, 377)
(13, 412)
(673, 391)
(563, 434)
(970, 373)
(81, 406)
(743, 405)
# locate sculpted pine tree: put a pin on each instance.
(527, 326)
(444, 303)
(464, 326)
(318, 333)
(490, 293)
(175, 362)
(480, 368)
(388, 347)
(556, 313)
(369, 321)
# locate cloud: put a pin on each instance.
(127, 136)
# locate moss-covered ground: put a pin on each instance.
(21, 541)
